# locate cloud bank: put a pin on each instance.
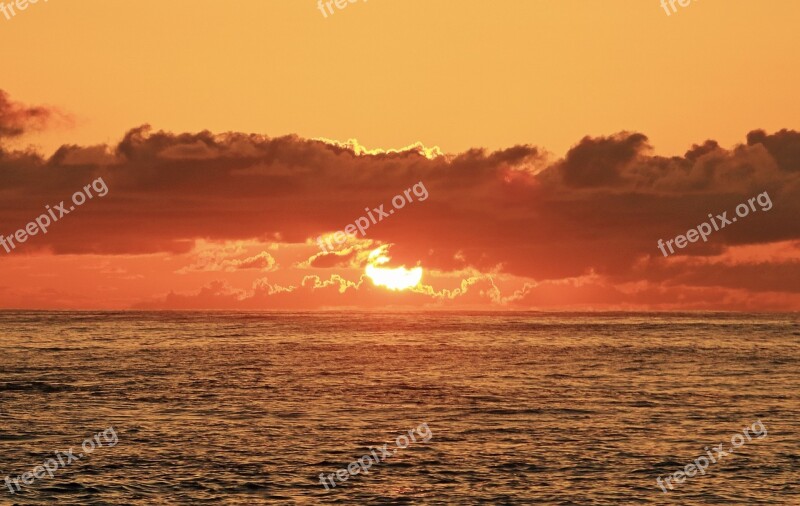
(583, 226)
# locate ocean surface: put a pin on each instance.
(523, 408)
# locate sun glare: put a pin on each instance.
(398, 278)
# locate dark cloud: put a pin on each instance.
(17, 119)
(784, 146)
(597, 162)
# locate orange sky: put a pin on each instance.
(573, 137)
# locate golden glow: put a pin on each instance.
(398, 278)
(360, 150)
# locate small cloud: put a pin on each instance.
(213, 257)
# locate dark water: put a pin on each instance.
(532, 408)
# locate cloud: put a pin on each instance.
(17, 119)
(210, 257)
(601, 161)
(599, 210)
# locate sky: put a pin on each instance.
(544, 149)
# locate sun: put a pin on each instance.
(398, 278)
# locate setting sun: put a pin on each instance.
(398, 278)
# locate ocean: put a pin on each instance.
(521, 408)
